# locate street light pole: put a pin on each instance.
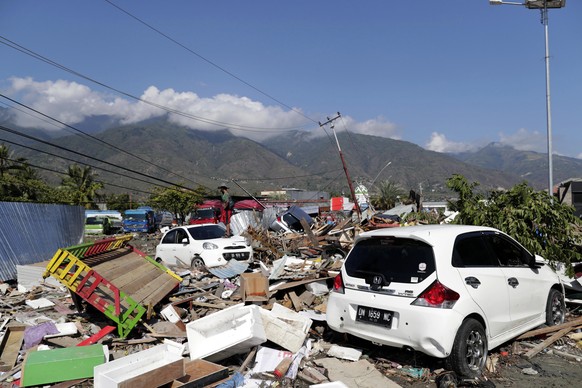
(543, 6)
(548, 104)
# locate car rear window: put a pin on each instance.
(398, 260)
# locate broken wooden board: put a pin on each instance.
(200, 373)
(10, 346)
(547, 342)
(550, 329)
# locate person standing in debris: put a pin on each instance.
(227, 205)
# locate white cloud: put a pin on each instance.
(65, 101)
(438, 142)
(525, 140)
(71, 103)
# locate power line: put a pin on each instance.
(9, 130)
(64, 173)
(82, 163)
(96, 139)
(40, 57)
(210, 62)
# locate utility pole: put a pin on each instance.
(350, 184)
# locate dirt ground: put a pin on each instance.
(412, 369)
(512, 369)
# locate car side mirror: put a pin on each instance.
(185, 240)
(537, 261)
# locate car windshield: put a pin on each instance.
(397, 260)
(203, 213)
(206, 232)
(94, 221)
(135, 217)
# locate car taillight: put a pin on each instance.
(338, 284)
(437, 295)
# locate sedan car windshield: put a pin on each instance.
(206, 232)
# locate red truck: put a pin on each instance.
(208, 212)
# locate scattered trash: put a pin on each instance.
(197, 325)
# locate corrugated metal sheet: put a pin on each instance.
(229, 270)
(32, 232)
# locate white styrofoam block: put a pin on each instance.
(114, 373)
(286, 313)
(333, 384)
(170, 314)
(344, 353)
(318, 288)
(66, 328)
(285, 327)
(225, 333)
(39, 303)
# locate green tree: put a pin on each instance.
(387, 196)
(540, 223)
(8, 163)
(81, 186)
(176, 200)
(118, 202)
(19, 181)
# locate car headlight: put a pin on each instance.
(209, 245)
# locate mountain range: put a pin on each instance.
(179, 155)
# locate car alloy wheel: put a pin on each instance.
(469, 350)
(555, 308)
(197, 263)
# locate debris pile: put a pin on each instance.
(263, 327)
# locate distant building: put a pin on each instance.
(570, 193)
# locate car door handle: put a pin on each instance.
(513, 282)
(472, 281)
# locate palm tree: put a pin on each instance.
(82, 185)
(7, 161)
(387, 195)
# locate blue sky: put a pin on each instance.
(449, 75)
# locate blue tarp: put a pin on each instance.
(32, 232)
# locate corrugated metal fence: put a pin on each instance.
(32, 232)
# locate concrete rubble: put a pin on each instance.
(221, 331)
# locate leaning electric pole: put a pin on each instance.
(351, 186)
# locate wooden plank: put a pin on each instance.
(10, 346)
(122, 266)
(200, 373)
(159, 289)
(156, 377)
(547, 342)
(299, 283)
(297, 303)
(132, 283)
(307, 298)
(550, 329)
(309, 233)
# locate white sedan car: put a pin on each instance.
(196, 246)
(449, 291)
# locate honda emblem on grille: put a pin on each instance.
(377, 280)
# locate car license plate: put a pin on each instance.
(375, 316)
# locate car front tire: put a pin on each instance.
(197, 263)
(469, 352)
(555, 310)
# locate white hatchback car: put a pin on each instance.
(202, 245)
(449, 291)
